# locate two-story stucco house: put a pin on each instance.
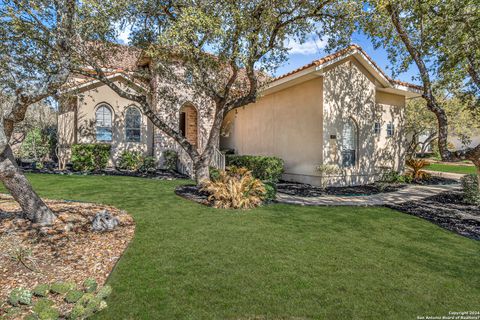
(339, 110)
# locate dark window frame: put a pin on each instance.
(133, 133)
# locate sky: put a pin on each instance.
(313, 49)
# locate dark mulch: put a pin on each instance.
(435, 180)
(158, 174)
(447, 210)
(306, 190)
(193, 193)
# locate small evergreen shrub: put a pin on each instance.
(270, 190)
(393, 176)
(90, 157)
(20, 296)
(471, 194)
(104, 292)
(73, 296)
(171, 157)
(62, 287)
(44, 310)
(149, 165)
(41, 290)
(90, 285)
(130, 160)
(262, 167)
(214, 173)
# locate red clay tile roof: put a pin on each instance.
(340, 53)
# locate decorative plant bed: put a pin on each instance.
(158, 174)
(307, 190)
(69, 251)
(193, 193)
(447, 210)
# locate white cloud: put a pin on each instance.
(310, 46)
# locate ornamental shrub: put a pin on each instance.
(393, 176)
(90, 285)
(262, 167)
(235, 188)
(90, 157)
(73, 296)
(471, 194)
(62, 287)
(149, 165)
(44, 310)
(270, 191)
(41, 290)
(130, 160)
(20, 296)
(171, 157)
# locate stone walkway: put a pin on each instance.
(409, 193)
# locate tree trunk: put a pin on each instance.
(34, 209)
(202, 171)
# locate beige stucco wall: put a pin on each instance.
(82, 117)
(287, 124)
(303, 125)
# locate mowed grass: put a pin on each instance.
(188, 261)
(451, 168)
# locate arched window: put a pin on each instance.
(349, 143)
(103, 123)
(133, 125)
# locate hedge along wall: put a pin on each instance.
(90, 156)
(262, 167)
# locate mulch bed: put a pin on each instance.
(69, 251)
(307, 190)
(158, 174)
(192, 192)
(447, 210)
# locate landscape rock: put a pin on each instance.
(104, 221)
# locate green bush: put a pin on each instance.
(271, 190)
(262, 167)
(90, 285)
(62, 287)
(149, 165)
(214, 173)
(36, 145)
(20, 296)
(470, 189)
(395, 177)
(130, 160)
(41, 290)
(104, 292)
(90, 157)
(73, 296)
(44, 310)
(171, 157)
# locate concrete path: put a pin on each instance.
(409, 193)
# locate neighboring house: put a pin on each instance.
(340, 110)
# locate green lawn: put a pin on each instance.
(451, 168)
(188, 261)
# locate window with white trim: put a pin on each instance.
(103, 124)
(390, 129)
